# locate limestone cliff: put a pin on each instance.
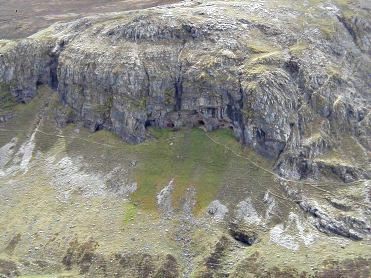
(291, 80)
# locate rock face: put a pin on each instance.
(290, 83)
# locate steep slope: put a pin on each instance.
(184, 204)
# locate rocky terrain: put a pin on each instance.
(198, 139)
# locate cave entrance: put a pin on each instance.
(149, 123)
(170, 125)
(201, 123)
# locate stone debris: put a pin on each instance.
(271, 203)
(26, 151)
(278, 236)
(217, 210)
(164, 200)
(245, 211)
(6, 152)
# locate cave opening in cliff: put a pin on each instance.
(149, 123)
(98, 127)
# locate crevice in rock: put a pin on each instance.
(178, 93)
(53, 76)
(260, 135)
(179, 82)
(53, 64)
(241, 104)
(349, 28)
(148, 81)
(234, 112)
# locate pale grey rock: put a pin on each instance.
(69, 176)
(217, 210)
(272, 207)
(120, 183)
(7, 151)
(278, 236)
(245, 211)
(292, 234)
(26, 151)
(189, 202)
(164, 199)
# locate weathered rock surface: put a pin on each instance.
(334, 221)
(290, 84)
(217, 210)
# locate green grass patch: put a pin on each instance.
(25, 117)
(187, 156)
(259, 47)
(130, 212)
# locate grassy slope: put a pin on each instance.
(188, 156)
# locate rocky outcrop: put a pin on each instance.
(217, 210)
(329, 225)
(288, 90)
(26, 64)
(331, 222)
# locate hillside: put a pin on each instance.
(197, 139)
